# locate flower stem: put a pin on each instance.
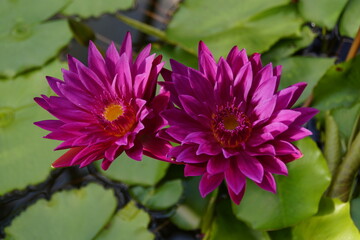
(209, 213)
(345, 175)
(150, 30)
(332, 145)
(354, 47)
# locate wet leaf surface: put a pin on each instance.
(66, 215)
(308, 179)
(254, 25)
(95, 8)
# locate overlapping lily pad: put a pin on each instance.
(287, 46)
(146, 172)
(189, 213)
(297, 197)
(350, 21)
(254, 25)
(324, 13)
(339, 87)
(75, 214)
(333, 226)
(31, 46)
(26, 42)
(161, 197)
(13, 12)
(226, 227)
(294, 68)
(25, 157)
(128, 223)
(95, 8)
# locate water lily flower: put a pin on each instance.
(231, 122)
(107, 108)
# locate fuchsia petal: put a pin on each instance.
(243, 82)
(250, 167)
(209, 182)
(54, 84)
(111, 152)
(295, 133)
(284, 148)
(157, 148)
(64, 160)
(232, 122)
(288, 96)
(306, 115)
(275, 128)
(194, 169)
(49, 125)
(268, 183)
(135, 152)
(224, 78)
(236, 198)
(256, 63)
(217, 164)
(126, 47)
(274, 165)
(277, 73)
(207, 64)
(112, 57)
(264, 110)
(234, 178)
(108, 107)
(96, 61)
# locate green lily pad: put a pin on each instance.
(95, 8)
(159, 198)
(146, 172)
(29, 46)
(324, 13)
(18, 11)
(297, 197)
(345, 119)
(254, 25)
(287, 46)
(128, 223)
(350, 21)
(339, 87)
(303, 69)
(189, 213)
(355, 211)
(226, 227)
(75, 214)
(25, 40)
(333, 226)
(172, 52)
(25, 157)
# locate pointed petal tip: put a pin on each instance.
(127, 39)
(91, 44)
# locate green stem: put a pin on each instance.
(150, 30)
(332, 145)
(355, 129)
(346, 173)
(207, 219)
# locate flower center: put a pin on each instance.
(118, 119)
(230, 126)
(230, 122)
(113, 112)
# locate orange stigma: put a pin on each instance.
(113, 112)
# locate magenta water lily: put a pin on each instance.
(231, 121)
(107, 108)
